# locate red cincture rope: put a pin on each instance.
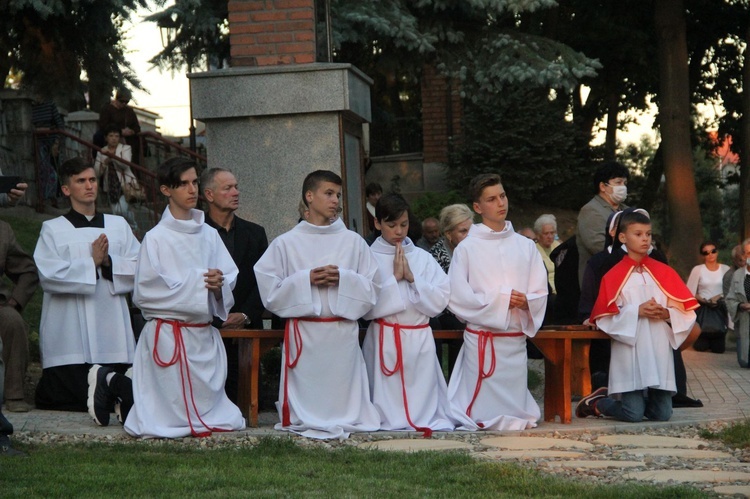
(399, 366)
(178, 356)
(485, 337)
(291, 364)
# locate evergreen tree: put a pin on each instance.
(53, 43)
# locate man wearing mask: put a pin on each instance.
(610, 186)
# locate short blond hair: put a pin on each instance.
(454, 214)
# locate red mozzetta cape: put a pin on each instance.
(678, 294)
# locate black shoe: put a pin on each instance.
(6, 450)
(100, 398)
(585, 407)
(682, 400)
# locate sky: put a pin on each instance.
(166, 94)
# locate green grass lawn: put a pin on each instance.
(277, 467)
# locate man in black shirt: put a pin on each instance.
(246, 242)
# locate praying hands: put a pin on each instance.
(401, 268)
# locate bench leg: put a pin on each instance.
(557, 365)
(247, 398)
(244, 383)
(580, 381)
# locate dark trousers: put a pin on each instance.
(716, 342)
(5, 427)
(66, 388)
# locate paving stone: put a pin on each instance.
(530, 454)
(415, 445)
(705, 476)
(733, 490)
(594, 465)
(649, 441)
(682, 453)
(523, 443)
(738, 465)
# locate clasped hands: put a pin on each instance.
(401, 269)
(711, 302)
(518, 300)
(100, 251)
(214, 279)
(327, 276)
(652, 310)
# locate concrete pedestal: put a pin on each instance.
(273, 125)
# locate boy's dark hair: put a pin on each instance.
(171, 170)
(607, 171)
(73, 166)
(391, 207)
(479, 183)
(314, 179)
(111, 128)
(629, 217)
(707, 242)
(373, 188)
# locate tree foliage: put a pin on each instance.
(198, 34)
(523, 135)
(54, 44)
(478, 41)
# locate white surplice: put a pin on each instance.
(186, 397)
(407, 304)
(85, 317)
(327, 390)
(485, 268)
(642, 351)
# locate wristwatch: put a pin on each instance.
(244, 316)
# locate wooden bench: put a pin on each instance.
(565, 350)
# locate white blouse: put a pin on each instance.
(706, 283)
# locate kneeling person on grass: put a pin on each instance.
(648, 311)
(86, 263)
(184, 278)
(499, 288)
(321, 277)
(406, 380)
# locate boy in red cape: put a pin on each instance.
(648, 311)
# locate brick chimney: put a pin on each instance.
(271, 32)
(441, 115)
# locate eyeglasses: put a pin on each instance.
(122, 101)
(706, 253)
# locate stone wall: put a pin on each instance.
(17, 139)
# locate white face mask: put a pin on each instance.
(619, 193)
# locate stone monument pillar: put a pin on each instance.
(278, 113)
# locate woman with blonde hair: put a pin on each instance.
(455, 222)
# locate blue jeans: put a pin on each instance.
(633, 406)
